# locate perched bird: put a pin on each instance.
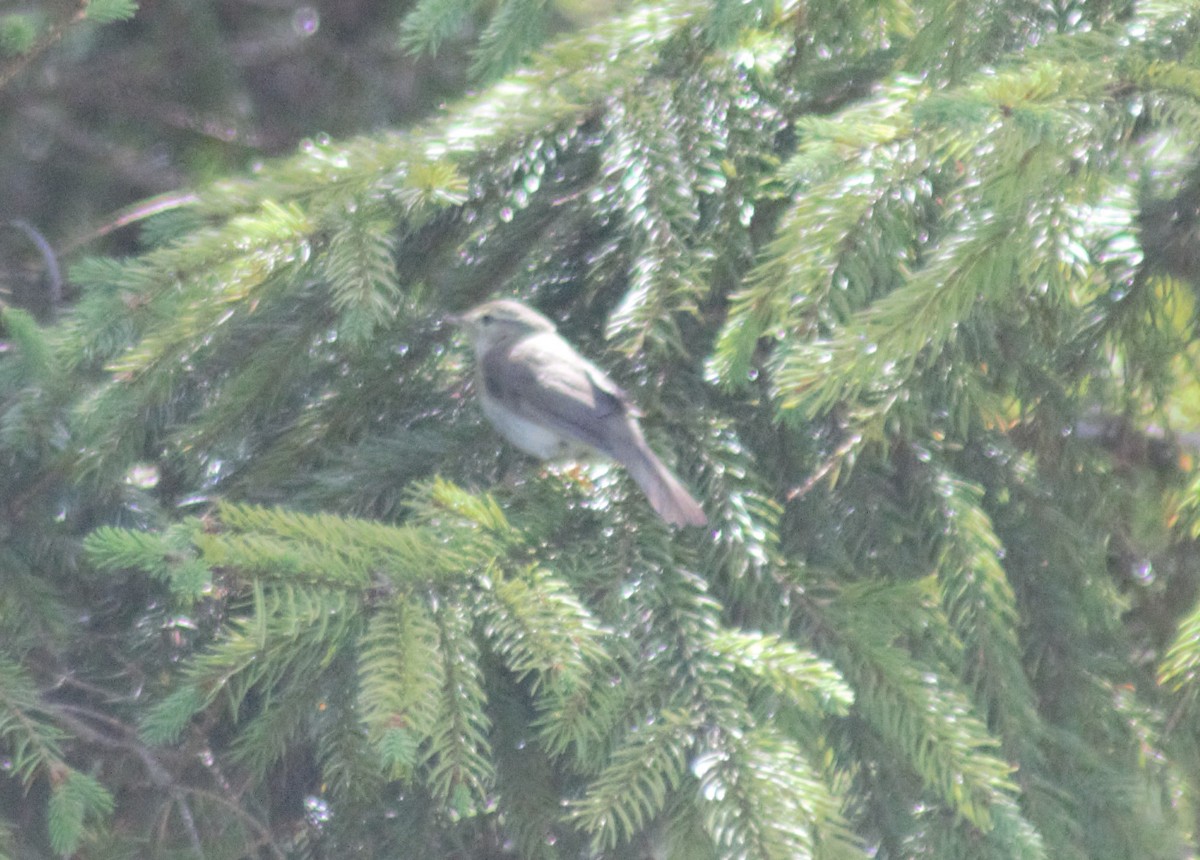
(551, 402)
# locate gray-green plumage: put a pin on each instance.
(551, 402)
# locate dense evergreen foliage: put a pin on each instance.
(906, 293)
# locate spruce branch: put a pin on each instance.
(925, 716)
(460, 768)
(638, 781)
(762, 799)
(32, 741)
(981, 608)
(400, 677)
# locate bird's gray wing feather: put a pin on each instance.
(543, 382)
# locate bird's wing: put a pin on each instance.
(534, 378)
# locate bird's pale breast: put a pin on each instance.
(534, 439)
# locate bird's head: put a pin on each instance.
(500, 321)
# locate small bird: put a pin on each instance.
(551, 402)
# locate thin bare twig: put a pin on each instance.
(53, 272)
(132, 214)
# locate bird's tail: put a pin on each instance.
(666, 494)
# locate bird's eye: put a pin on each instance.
(487, 319)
